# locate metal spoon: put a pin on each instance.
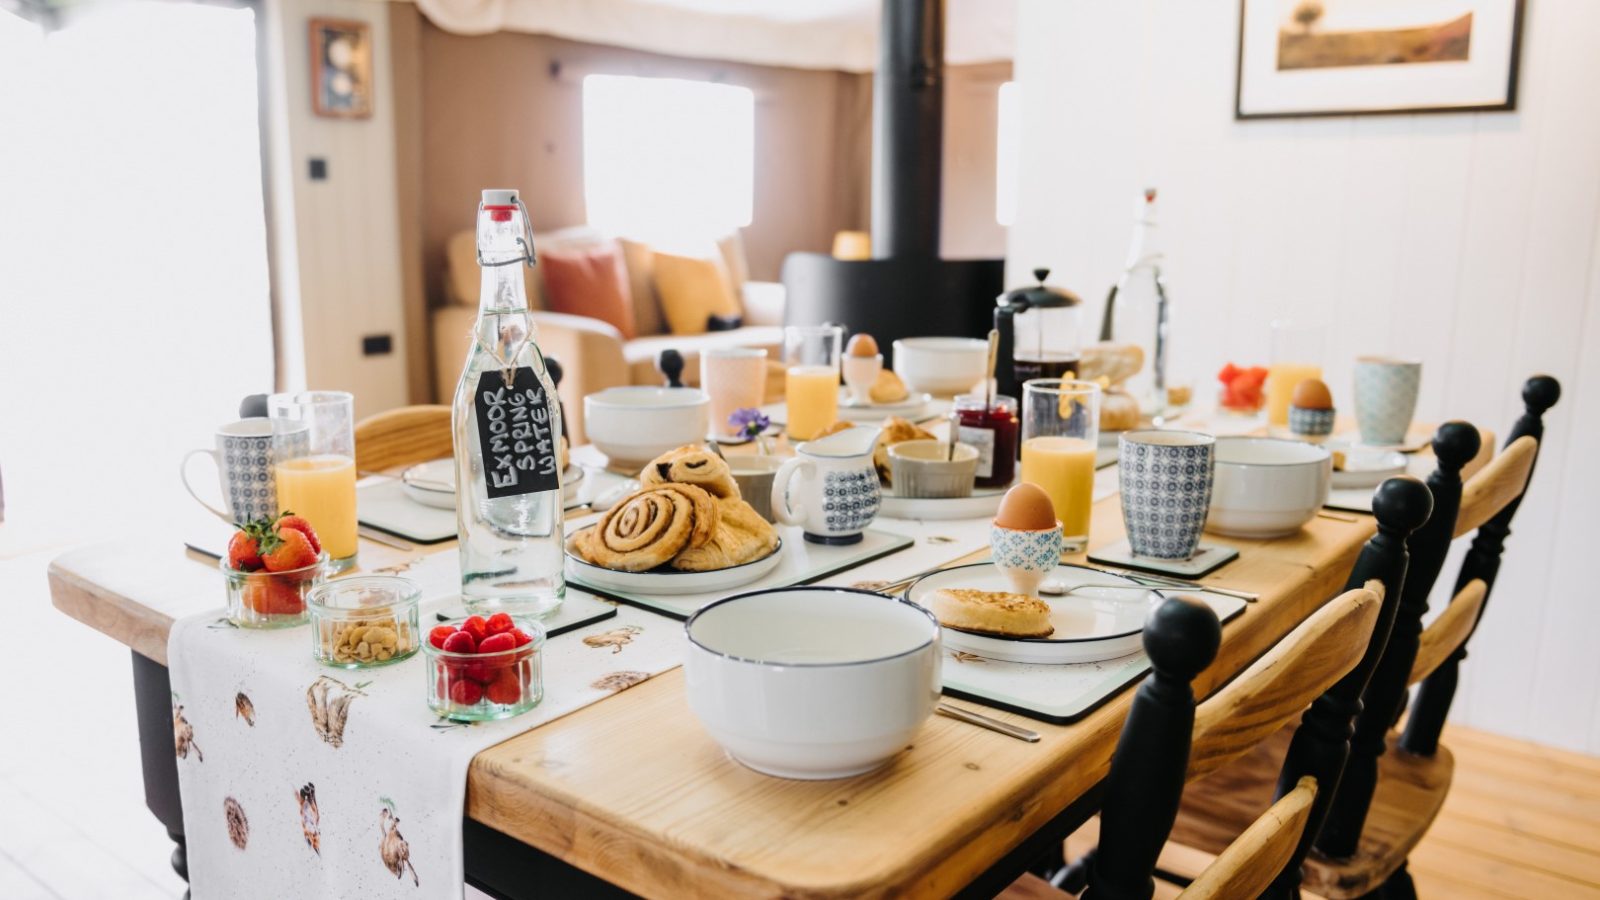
(995, 725)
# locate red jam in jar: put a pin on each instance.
(993, 430)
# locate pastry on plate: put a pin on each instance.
(650, 527)
(739, 536)
(998, 613)
(888, 388)
(1118, 411)
(895, 430)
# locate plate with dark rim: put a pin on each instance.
(664, 580)
(1090, 625)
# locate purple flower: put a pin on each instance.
(750, 421)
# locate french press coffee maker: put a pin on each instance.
(1039, 335)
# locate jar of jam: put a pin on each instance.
(993, 429)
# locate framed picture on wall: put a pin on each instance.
(341, 68)
(1365, 57)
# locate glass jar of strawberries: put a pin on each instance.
(484, 668)
(270, 567)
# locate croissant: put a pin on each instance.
(650, 527)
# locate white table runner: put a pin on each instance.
(277, 803)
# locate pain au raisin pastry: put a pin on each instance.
(992, 612)
(740, 536)
(650, 527)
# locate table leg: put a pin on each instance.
(152, 695)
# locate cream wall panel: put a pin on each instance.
(1468, 240)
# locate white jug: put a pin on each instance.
(830, 487)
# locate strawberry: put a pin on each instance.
(505, 689)
(459, 642)
(496, 643)
(476, 626)
(465, 693)
(269, 595)
(522, 637)
(500, 622)
(287, 549)
(439, 634)
(299, 523)
(244, 550)
(256, 593)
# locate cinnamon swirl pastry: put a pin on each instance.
(650, 527)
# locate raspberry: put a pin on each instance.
(496, 643)
(506, 689)
(465, 693)
(459, 642)
(477, 627)
(500, 622)
(482, 673)
(439, 634)
(522, 637)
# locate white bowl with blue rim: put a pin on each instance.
(812, 682)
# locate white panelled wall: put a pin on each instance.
(1469, 241)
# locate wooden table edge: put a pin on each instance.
(142, 629)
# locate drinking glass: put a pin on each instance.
(321, 483)
(1060, 433)
(734, 378)
(811, 383)
(1296, 356)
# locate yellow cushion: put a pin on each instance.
(692, 290)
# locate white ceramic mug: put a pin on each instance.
(830, 488)
(245, 453)
(1386, 397)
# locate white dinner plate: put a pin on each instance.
(1364, 468)
(1090, 625)
(981, 504)
(910, 408)
(433, 483)
(663, 580)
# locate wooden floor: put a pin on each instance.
(1521, 821)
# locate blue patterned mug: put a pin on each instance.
(830, 488)
(245, 453)
(1386, 397)
(1025, 558)
(1165, 478)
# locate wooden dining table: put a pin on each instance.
(631, 795)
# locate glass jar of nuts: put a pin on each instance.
(364, 621)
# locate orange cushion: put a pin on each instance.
(589, 281)
(692, 290)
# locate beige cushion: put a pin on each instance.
(732, 250)
(692, 290)
(640, 262)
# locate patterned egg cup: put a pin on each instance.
(1025, 557)
(479, 687)
(1165, 478)
(1310, 422)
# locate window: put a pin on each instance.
(666, 160)
(1008, 152)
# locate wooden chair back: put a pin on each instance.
(1499, 482)
(1249, 865)
(1445, 636)
(403, 437)
(1279, 686)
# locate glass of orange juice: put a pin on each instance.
(1296, 357)
(811, 378)
(1060, 433)
(321, 485)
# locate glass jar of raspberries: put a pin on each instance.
(484, 668)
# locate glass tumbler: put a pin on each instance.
(1060, 434)
(734, 378)
(811, 383)
(1296, 356)
(321, 484)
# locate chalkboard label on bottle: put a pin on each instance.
(516, 434)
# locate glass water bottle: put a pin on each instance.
(507, 428)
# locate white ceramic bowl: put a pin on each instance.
(1267, 487)
(812, 682)
(944, 366)
(633, 425)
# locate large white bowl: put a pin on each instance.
(812, 682)
(944, 366)
(1267, 487)
(633, 425)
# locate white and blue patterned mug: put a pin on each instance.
(245, 453)
(1025, 557)
(1165, 478)
(1386, 397)
(830, 488)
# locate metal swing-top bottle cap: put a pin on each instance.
(499, 197)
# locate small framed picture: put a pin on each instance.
(1368, 57)
(341, 68)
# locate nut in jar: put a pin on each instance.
(364, 621)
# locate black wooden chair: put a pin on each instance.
(1382, 804)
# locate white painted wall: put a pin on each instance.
(1467, 240)
(336, 242)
